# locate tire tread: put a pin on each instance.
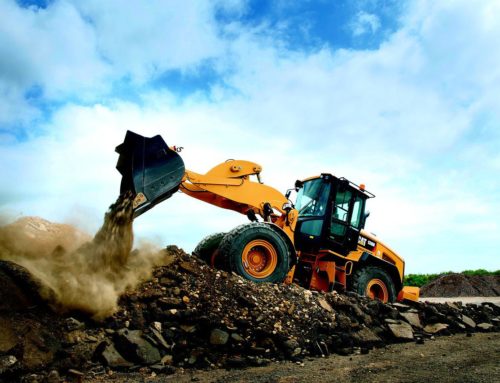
(204, 246)
(365, 273)
(225, 247)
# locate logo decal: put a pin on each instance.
(366, 243)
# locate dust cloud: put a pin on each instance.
(75, 271)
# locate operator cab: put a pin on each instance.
(331, 214)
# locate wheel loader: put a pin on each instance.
(317, 241)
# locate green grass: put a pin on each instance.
(422, 279)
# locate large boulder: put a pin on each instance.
(401, 331)
(19, 290)
(132, 345)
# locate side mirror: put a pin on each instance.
(298, 185)
(365, 216)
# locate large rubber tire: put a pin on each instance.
(374, 282)
(207, 249)
(256, 252)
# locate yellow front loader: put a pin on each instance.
(317, 241)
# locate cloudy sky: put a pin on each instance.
(402, 96)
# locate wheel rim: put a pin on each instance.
(259, 258)
(377, 289)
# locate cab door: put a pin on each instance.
(345, 222)
(313, 202)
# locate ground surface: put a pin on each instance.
(456, 358)
(464, 300)
(187, 319)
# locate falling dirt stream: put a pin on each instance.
(90, 277)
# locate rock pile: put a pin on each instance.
(460, 285)
(192, 316)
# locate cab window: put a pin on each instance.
(340, 213)
(341, 207)
(312, 198)
(357, 211)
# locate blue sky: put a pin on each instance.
(399, 95)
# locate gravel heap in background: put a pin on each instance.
(460, 285)
(192, 316)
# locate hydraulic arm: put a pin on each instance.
(153, 172)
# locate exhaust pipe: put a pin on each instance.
(150, 170)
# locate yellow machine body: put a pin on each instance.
(153, 171)
(229, 185)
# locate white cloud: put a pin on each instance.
(13, 105)
(415, 120)
(233, 8)
(144, 40)
(53, 48)
(78, 50)
(365, 23)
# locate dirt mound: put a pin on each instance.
(20, 236)
(76, 271)
(60, 313)
(189, 315)
(460, 285)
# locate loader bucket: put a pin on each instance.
(150, 170)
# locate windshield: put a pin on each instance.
(312, 198)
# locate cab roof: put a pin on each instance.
(359, 188)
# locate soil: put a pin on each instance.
(185, 321)
(459, 285)
(446, 359)
(463, 300)
(189, 319)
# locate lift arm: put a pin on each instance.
(153, 172)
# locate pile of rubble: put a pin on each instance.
(460, 285)
(192, 316)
